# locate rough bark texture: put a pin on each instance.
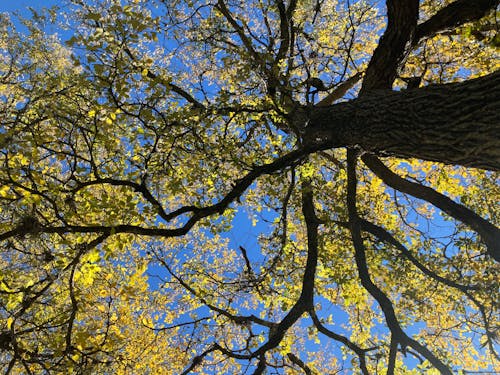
(456, 123)
(402, 16)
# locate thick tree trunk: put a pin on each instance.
(456, 123)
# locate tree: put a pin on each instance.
(360, 139)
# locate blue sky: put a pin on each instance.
(246, 234)
(12, 5)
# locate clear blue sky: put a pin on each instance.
(12, 5)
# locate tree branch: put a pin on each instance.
(140, 188)
(402, 18)
(388, 238)
(177, 89)
(198, 359)
(452, 16)
(398, 335)
(455, 123)
(340, 90)
(221, 6)
(198, 213)
(488, 232)
(305, 300)
(360, 352)
(296, 360)
(286, 14)
(261, 365)
(393, 351)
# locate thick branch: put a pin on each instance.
(383, 235)
(197, 213)
(285, 24)
(312, 223)
(488, 232)
(457, 123)
(393, 351)
(453, 15)
(340, 90)
(305, 301)
(397, 333)
(360, 255)
(402, 18)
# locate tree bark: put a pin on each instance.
(456, 123)
(402, 16)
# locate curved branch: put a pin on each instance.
(387, 237)
(198, 213)
(488, 232)
(360, 352)
(238, 319)
(296, 360)
(402, 18)
(198, 359)
(305, 300)
(398, 335)
(453, 15)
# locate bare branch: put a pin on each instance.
(340, 90)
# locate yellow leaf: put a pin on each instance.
(4, 287)
(4, 191)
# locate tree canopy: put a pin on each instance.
(250, 186)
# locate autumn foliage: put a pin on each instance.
(250, 187)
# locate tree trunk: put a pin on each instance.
(456, 123)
